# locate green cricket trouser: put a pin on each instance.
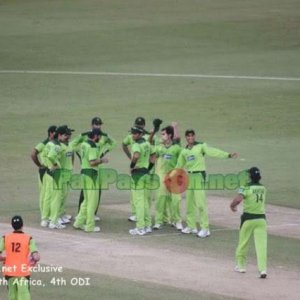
(101, 178)
(18, 288)
(41, 188)
(87, 209)
(66, 178)
(133, 210)
(257, 227)
(196, 202)
(164, 201)
(57, 192)
(48, 195)
(140, 196)
(149, 195)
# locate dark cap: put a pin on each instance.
(97, 121)
(17, 222)
(62, 130)
(139, 121)
(69, 130)
(52, 129)
(254, 171)
(189, 131)
(137, 130)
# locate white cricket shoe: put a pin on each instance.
(56, 225)
(96, 229)
(177, 225)
(203, 233)
(239, 270)
(157, 226)
(66, 216)
(64, 221)
(44, 223)
(148, 229)
(263, 275)
(96, 218)
(136, 231)
(188, 230)
(132, 218)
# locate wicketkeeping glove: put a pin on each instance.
(156, 124)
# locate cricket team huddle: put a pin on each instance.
(155, 154)
(55, 158)
(159, 152)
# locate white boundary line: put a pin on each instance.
(207, 76)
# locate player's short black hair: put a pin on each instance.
(189, 131)
(254, 174)
(51, 129)
(17, 222)
(169, 130)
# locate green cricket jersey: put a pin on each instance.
(68, 152)
(51, 154)
(144, 149)
(193, 159)
(89, 151)
(128, 140)
(55, 153)
(39, 148)
(106, 144)
(254, 198)
(167, 157)
(67, 157)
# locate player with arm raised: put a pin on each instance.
(192, 159)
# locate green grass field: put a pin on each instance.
(255, 117)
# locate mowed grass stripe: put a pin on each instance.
(250, 77)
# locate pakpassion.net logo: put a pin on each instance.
(176, 181)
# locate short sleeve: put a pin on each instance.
(39, 147)
(242, 191)
(127, 140)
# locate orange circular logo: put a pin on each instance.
(176, 181)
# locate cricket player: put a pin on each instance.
(53, 180)
(167, 155)
(67, 163)
(90, 160)
(36, 156)
(253, 222)
(128, 141)
(20, 254)
(192, 158)
(142, 161)
(106, 144)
